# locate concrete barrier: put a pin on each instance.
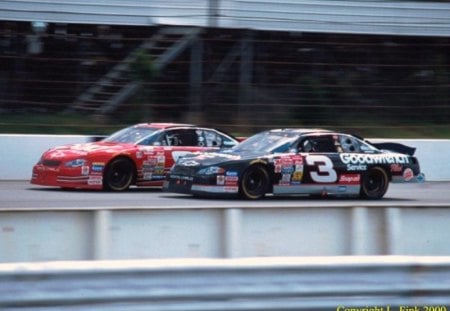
(433, 155)
(20, 152)
(38, 234)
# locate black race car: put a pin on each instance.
(296, 161)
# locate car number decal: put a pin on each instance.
(325, 172)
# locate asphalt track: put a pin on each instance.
(22, 195)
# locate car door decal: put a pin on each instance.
(325, 172)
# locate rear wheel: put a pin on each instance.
(374, 183)
(254, 183)
(118, 175)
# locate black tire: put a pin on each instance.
(374, 183)
(118, 175)
(254, 183)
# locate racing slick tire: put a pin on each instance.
(374, 184)
(118, 175)
(254, 183)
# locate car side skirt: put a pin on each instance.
(324, 189)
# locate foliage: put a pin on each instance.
(143, 66)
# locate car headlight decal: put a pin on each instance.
(211, 170)
(75, 163)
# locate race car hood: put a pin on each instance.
(216, 158)
(74, 151)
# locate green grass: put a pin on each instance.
(57, 124)
(79, 124)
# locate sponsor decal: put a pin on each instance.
(285, 180)
(148, 176)
(149, 152)
(85, 170)
(287, 170)
(159, 170)
(408, 174)
(220, 180)
(231, 189)
(150, 162)
(355, 158)
(277, 166)
(297, 176)
(298, 160)
(154, 165)
(98, 166)
(396, 168)
(350, 179)
(180, 177)
(95, 180)
(342, 189)
(161, 159)
(359, 167)
(420, 177)
(231, 180)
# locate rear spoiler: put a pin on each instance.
(396, 147)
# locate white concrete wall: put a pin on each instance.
(433, 155)
(18, 153)
(394, 17)
(158, 232)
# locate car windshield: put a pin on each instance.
(131, 135)
(269, 142)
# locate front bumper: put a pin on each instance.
(199, 185)
(65, 177)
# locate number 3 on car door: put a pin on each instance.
(324, 172)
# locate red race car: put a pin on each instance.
(139, 155)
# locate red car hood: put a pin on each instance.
(83, 150)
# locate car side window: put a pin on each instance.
(349, 144)
(319, 144)
(182, 137)
(209, 138)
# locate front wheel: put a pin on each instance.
(374, 183)
(254, 183)
(118, 175)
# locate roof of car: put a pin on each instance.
(163, 125)
(301, 131)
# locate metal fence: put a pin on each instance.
(318, 283)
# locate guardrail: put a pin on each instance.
(20, 152)
(317, 283)
(325, 229)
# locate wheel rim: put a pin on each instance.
(119, 175)
(255, 183)
(375, 184)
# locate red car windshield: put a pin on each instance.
(131, 135)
